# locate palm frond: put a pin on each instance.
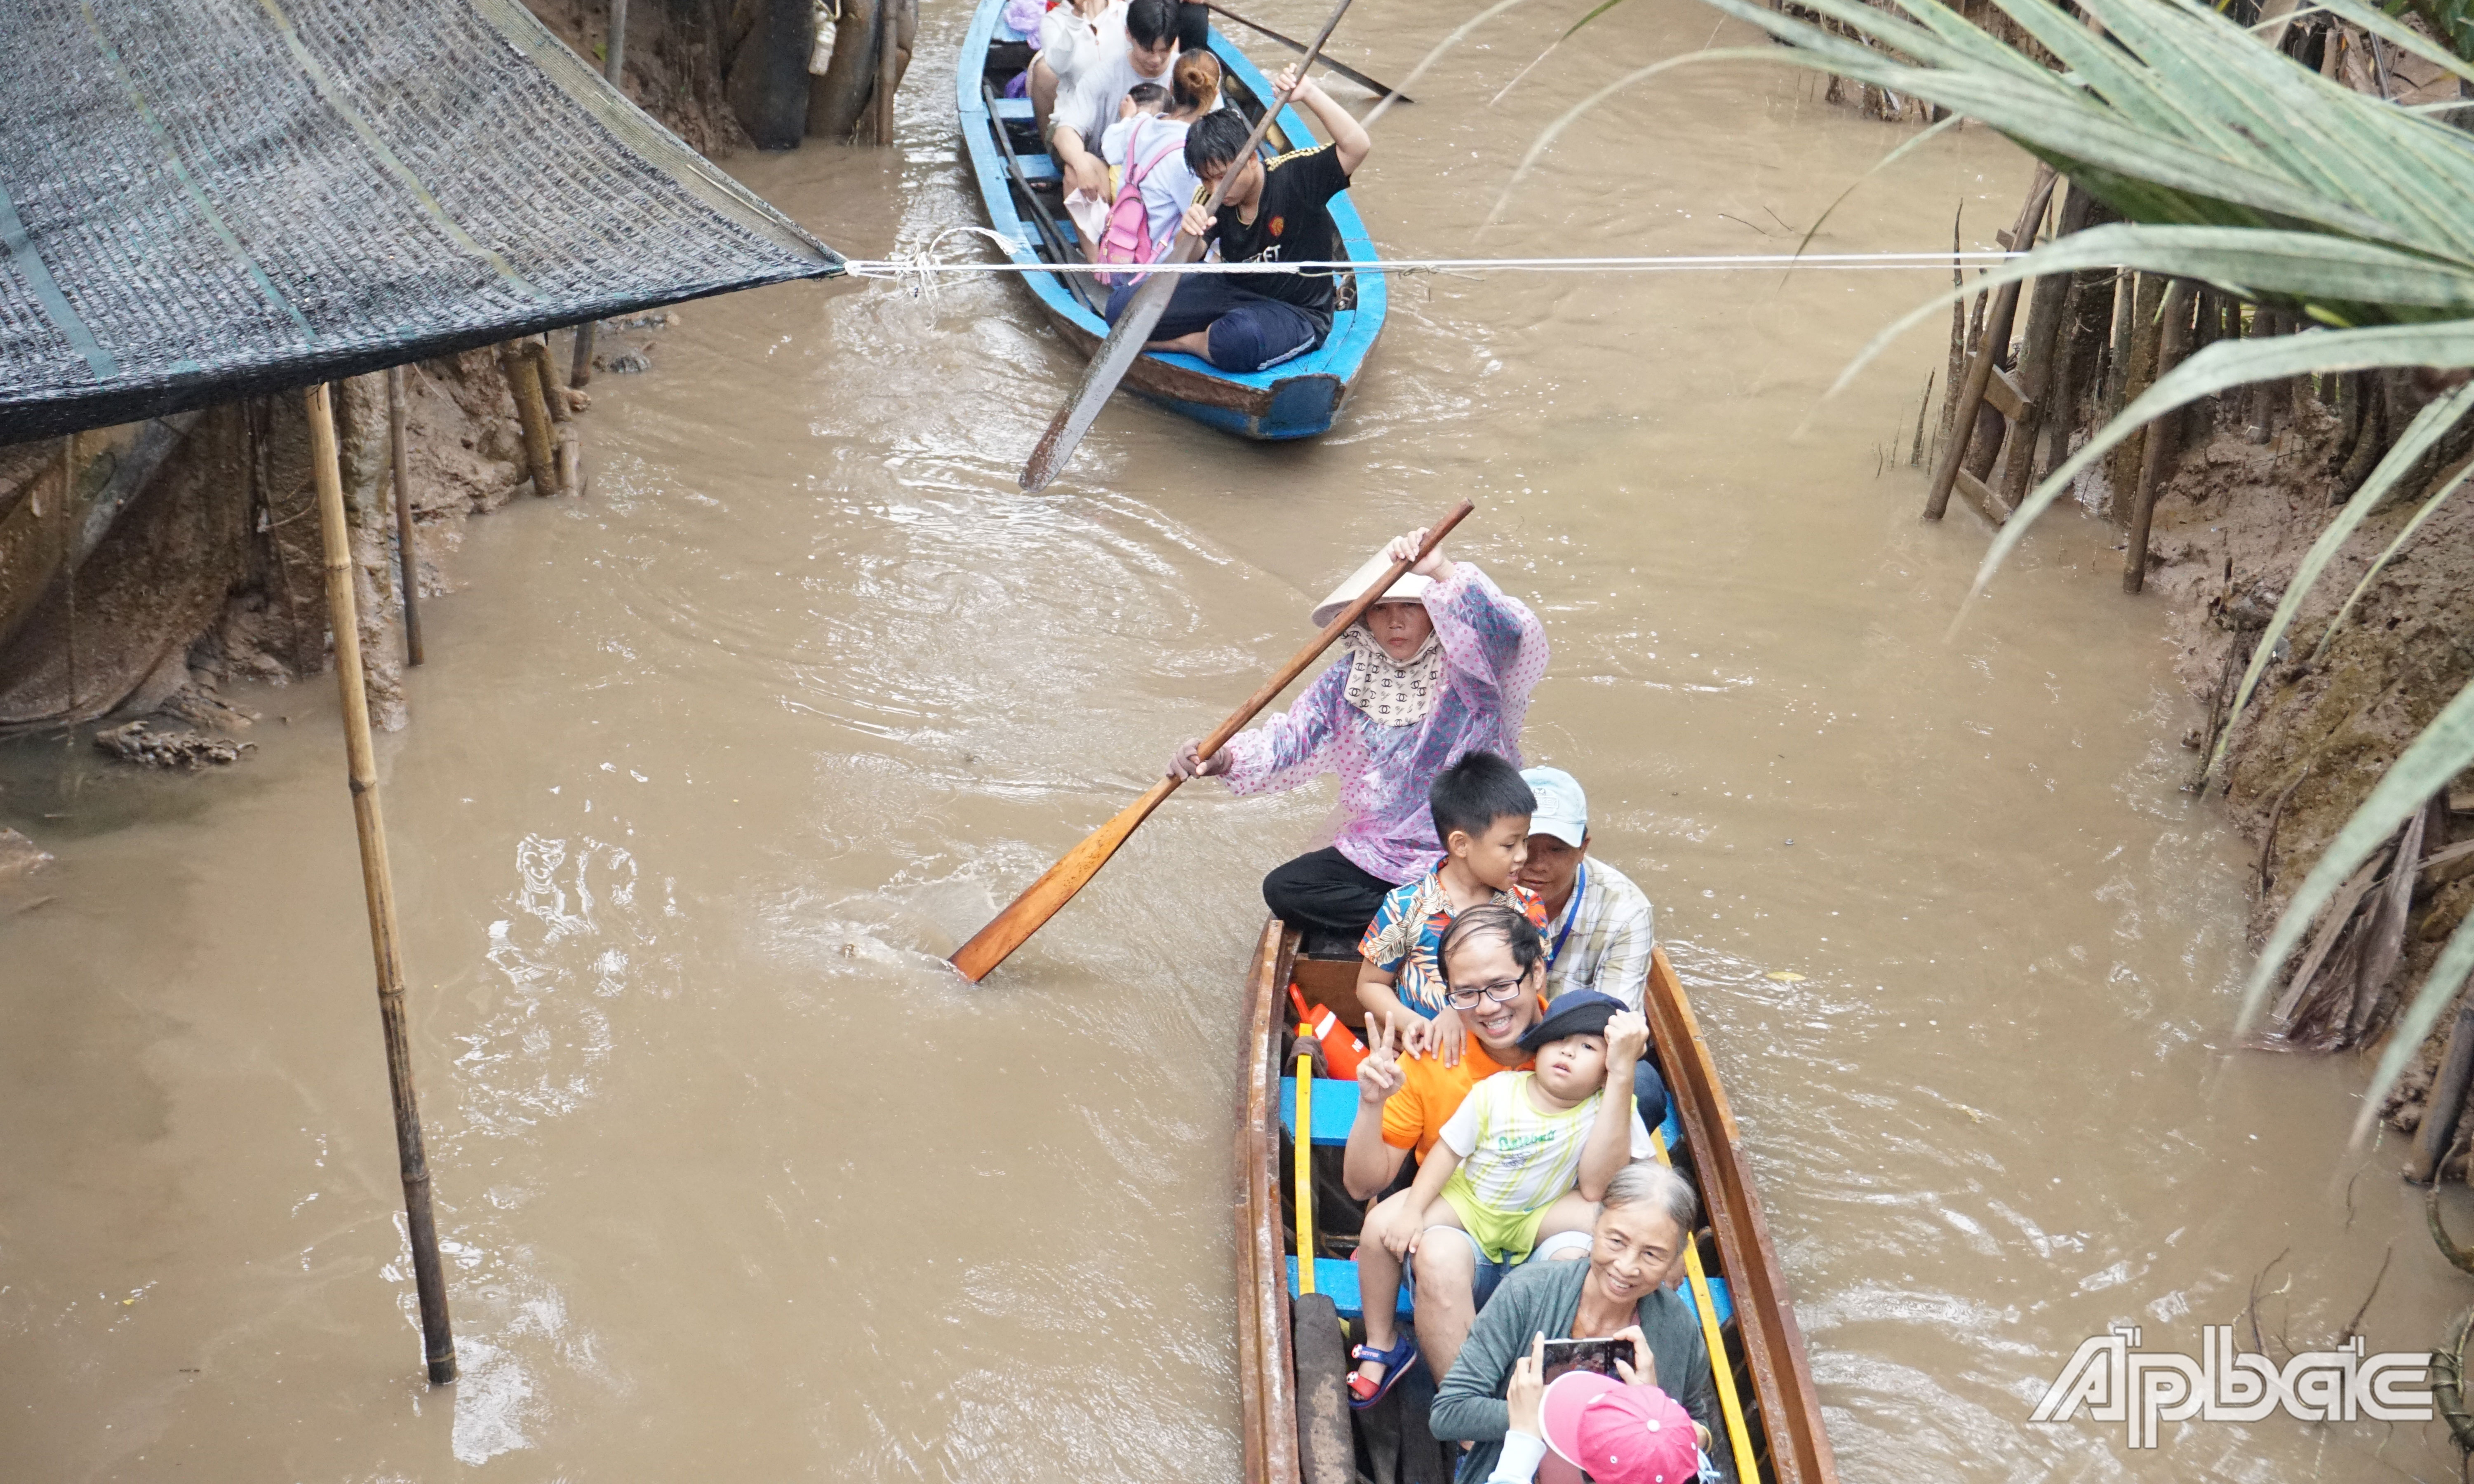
(2234, 363)
(2427, 428)
(2448, 974)
(2429, 508)
(2439, 754)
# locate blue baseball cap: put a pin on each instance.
(1563, 809)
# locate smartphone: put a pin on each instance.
(1598, 1355)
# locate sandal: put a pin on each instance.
(1395, 1363)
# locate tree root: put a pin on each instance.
(2448, 1377)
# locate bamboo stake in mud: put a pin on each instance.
(888, 14)
(1997, 338)
(377, 886)
(2173, 339)
(532, 410)
(614, 67)
(410, 560)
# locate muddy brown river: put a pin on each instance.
(709, 768)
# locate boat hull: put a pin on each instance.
(1298, 398)
(1764, 1343)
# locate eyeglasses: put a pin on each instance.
(1500, 991)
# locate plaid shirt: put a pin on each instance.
(1601, 940)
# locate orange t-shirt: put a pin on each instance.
(1416, 1114)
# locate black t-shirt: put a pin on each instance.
(1291, 224)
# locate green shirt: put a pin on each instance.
(1543, 1297)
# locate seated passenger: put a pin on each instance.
(1525, 1157)
(1273, 213)
(1404, 1102)
(1636, 1249)
(1630, 1431)
(1480, 813)
(1444, 664)
(1156, 161)
(1598, 926)
(1096, 58)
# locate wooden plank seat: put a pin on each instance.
(1039, 169)
(1014, 109)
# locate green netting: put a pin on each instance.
(204, 199)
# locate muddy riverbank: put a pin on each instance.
(713, 763)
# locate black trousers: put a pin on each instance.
(1324, 894)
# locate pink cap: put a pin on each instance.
(1620, 1434)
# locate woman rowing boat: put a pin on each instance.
(1440, 667)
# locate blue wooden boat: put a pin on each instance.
(1021, 188)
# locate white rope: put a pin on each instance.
(921, 269)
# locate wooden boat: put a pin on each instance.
(1021, 188)
(1290, 1346)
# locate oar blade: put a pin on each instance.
(1044, 897)
(1109, 366)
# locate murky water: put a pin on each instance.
(708, 768)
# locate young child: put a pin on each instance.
(1527, 1156)
(1143, 100)
(1481, 808)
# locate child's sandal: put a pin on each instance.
(1364, 1393)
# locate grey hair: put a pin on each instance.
(1644, 1182)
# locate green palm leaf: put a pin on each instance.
(2429, 508)
(2439, 754)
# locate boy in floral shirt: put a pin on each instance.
(1481, 809)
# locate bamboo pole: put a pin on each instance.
(613, 68)
(437, 1338)
(397, 446)
(888, 15)
(532, 410)
(2172, 340)
(1997, 338)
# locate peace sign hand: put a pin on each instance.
(1379, 1075)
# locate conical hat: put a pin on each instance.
(1409, 589)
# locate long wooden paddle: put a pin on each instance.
(1133, 329)
(1296, 45)
(1057, 886)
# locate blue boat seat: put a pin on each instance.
(1335, 1109)
(1338, 1279)
(1014, 109)
(1719, 1299)
(1039, 167)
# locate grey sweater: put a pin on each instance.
(1543, 1297)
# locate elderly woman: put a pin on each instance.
(1443, 666)
(1620, 1293)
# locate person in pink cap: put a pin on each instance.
(1585, 1426)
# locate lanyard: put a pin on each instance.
(1572, 914)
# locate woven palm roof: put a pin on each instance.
(205, 199)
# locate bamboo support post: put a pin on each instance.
(532, 410)
(613, 68)
(2037, 350)
(2173, 339)
(437, 1338)
(407, 556)
(1979, 368)
(579, 368)
(546, 367)
(888, 44)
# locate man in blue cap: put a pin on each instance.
(1598, 924)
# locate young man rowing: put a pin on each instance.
(1274, 212)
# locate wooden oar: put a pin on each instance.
(1131, 332)
(1057, 886)
(1296, 45)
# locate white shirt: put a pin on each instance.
(1094, 66)
(1169, 189)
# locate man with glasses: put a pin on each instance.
(1494, 968)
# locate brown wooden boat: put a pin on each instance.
(1291, 1348)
